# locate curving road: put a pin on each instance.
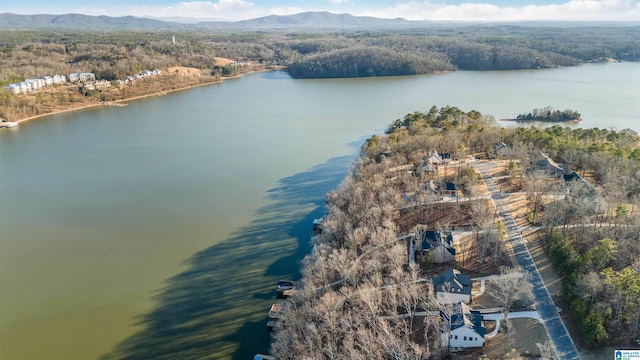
(556, 330)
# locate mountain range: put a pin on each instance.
(305, 20)
(314, 20)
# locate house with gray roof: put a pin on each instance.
(547, 165)
(464, 326)
(439, 244)
(452, 287)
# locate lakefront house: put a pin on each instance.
(465, 327)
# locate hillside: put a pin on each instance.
(81, 22)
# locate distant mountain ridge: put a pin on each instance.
(305, 20)
(313, 20)
(80, 21)
(316, 19)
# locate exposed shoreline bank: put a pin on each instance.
(159, 93)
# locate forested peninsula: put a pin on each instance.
(369, 286)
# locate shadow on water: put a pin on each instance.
(216, 309)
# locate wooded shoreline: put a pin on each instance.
(583, 220)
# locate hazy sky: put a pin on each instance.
(483, 10)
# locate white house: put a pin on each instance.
(59, 79)
(24, 87)
(464, 328)
(82, 77)
(73, 77)
(86, 76)
(32, 84)
(13, 88)
(452, 287)
(434, 158)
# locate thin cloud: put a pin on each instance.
(611, 10)
(570, 10)
(290, 10)
(227, 9)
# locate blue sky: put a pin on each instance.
(457, 10)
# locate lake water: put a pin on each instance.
(158, 230)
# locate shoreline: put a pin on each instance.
(159, 93)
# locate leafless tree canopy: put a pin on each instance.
(360, 299)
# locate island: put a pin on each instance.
(549, 114)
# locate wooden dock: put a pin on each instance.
(276, 311)
(276, 314)
(115, 104)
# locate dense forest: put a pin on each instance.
(359, 298)
(364, 62)
(592, 235)
(116, 54)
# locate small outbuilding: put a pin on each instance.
(450, 188)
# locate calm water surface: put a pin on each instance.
(158, 230)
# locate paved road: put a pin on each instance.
(556, 330)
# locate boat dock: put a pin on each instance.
(8, 124)
(276, 313)
(284, 288)
(317, 225)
